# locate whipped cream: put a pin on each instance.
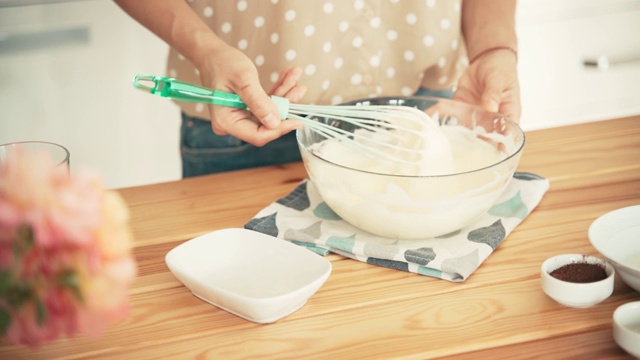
(425, 199)
(429, 151)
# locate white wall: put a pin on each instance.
(78, 92)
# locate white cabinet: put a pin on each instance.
(555, 39)
(65, 76)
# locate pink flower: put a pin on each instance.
(65, 252)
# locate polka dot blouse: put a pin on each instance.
(348, 49)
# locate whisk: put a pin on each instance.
(381, 130)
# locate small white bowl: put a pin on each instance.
(626, 327)
(250, 274)
(616, 235)
(578, 295)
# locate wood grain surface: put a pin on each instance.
(365, 311)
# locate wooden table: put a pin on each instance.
(365, 311)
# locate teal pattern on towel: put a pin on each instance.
(304, 219)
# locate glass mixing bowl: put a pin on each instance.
(417, 207)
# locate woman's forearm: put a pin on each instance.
(177, 24)
(488, 23)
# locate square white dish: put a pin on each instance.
(247, 273)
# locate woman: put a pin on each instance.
(323, 52)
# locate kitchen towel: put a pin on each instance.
(304, 219)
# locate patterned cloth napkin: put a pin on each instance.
(303, 218)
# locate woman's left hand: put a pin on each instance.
(492, 82)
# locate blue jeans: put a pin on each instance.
(203, 152)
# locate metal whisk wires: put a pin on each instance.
(388, 132)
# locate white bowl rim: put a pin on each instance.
(626, 338)
(598, 243)
(608, 267)
(517, 152)
(624, 309)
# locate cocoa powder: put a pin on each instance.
(580, 273)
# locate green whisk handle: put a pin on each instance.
(182, 91)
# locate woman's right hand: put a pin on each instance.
(231, 71)
(221, 67)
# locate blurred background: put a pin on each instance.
(66, 69)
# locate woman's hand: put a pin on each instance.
(221, 67)
(492, 82)
(231, 71)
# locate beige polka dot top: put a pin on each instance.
(348, 49)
